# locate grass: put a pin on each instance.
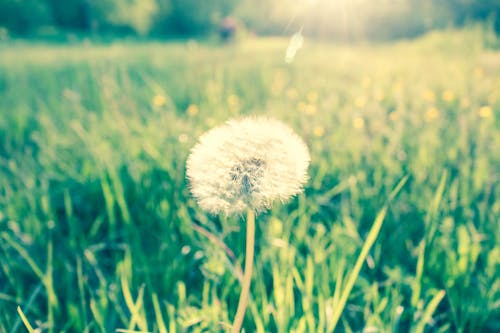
(99, 232)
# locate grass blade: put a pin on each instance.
(370, 240)
(25, 320)
(431, 308)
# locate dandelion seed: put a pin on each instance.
(247, 163)
(296, 42)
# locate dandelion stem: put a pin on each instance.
(247, 275)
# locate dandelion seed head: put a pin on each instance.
(247, 163)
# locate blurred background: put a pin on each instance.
(344, 20)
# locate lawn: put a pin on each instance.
(99, 232)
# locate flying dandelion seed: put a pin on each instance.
(247, 164)
(296, 42)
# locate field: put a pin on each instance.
(98, 230)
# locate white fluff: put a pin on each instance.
(247, 163)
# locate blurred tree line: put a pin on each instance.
(142, 17)
(334, 19)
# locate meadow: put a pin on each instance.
(99, 233)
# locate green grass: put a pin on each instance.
(98, 231)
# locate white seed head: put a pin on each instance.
(247, 163)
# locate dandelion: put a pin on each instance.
(243, 165)
(431, 114)
(393, 115)
(479, 72)
(310, 109)
(159, 101)
(485, 111)
(448, 96)
(233, 101)
(292, 93)
(492, 98)
(278, 83)
(397, 87)
(360, 102)
(465, 103)
(312, 96)
(247, 163)
(358, 123)
(192, 110)
(378, 95)
(429, 95)
(366, 82)
(318, 131)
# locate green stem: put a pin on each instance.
(247, 275)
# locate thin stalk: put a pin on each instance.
(247, 275)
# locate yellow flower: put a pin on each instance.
(192, 109)
(312, 96)
(479, 72)
(485, 111)
(301, 106)
(397, 87)
(366, 81)
(360, 102)
(358, 123)
(233, 101)
(429, 95)
(378, 95)
(292, 93)
(492, 98)
(448, 96)
(310, 109)
(431, 114)
(318, 131)
(279, 82)
(393, 116)
(159, 101)
(465, 103)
